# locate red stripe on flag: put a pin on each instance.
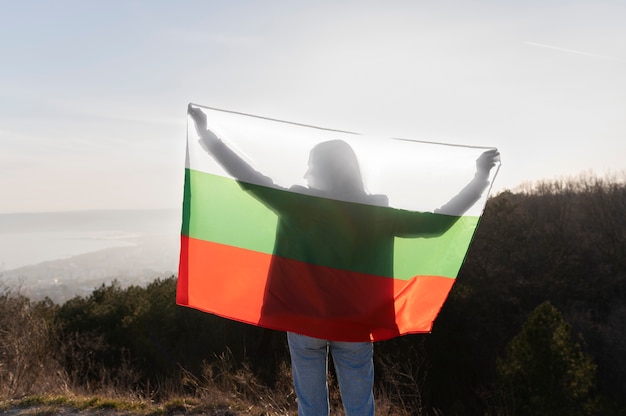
(318, 301)
(182, 287)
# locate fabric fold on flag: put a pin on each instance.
(322, 232)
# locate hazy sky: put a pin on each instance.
(93, 94)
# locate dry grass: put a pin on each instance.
(221, 390)
(95, 405)
(27, 363)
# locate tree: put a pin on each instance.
(545, 372)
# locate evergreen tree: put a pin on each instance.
(545, 372)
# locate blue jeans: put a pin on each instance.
(354, 366)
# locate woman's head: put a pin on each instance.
(334, 168)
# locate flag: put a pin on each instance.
(323, 232)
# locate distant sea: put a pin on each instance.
(73, 252)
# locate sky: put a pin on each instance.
(94, 94)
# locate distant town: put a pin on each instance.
(151, 251)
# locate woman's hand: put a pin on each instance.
(207, 137)
(486, 161)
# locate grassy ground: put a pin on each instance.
(60, 405)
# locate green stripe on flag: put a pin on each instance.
(219, 210)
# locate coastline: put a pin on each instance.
(62, 255)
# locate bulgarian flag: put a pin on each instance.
(322, 232)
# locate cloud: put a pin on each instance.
(573, 51)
